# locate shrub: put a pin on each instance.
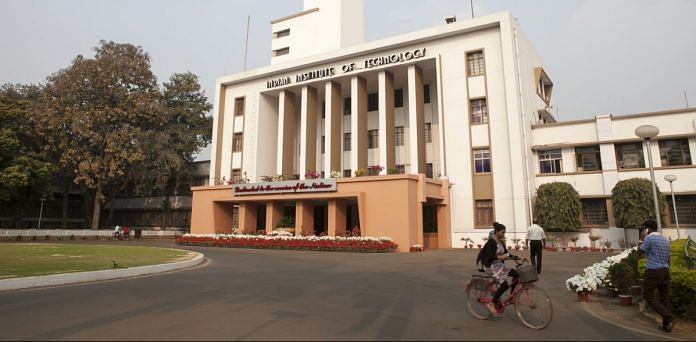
(621, 276)
(286, 222)
(557, 207)
(632, 200)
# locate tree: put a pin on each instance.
(169, 150)
(557, 207)
(99, 107)
(25, 171)
(632, 200)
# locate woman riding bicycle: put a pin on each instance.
(493, 257)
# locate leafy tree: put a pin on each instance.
(99, 107)
(184, 130)
(25, 171)
(557, 207)
(632, 200)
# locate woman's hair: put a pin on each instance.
(498, 226)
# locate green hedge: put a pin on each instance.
(682, 289)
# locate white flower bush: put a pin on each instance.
(280, 233)
(596, 275)
(290, 237)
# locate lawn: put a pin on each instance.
(31, 259)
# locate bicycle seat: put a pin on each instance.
(481, 275)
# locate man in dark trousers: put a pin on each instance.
(656, 249)
(536, 240)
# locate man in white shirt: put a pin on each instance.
(536, 240)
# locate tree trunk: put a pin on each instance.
(64, 216)
(97, 207)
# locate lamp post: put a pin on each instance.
(647, 132)
(42, 199)
(670, 179)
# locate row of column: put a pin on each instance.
(304, 217)
(332, 125)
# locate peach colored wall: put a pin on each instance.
(389, 206)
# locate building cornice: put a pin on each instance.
(616, 117)
(435, 33)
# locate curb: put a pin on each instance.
(595, 309)
(83, 277)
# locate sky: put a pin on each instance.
(604, 57)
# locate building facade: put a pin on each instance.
(443, 128)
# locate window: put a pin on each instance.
(588, 158)
(401, 169)
(399, 135)
(236, 175)
(686, 209)
(346, 141)
(427, 132)
(346, 106)
(675, 152)
(281, 33)
(323, 144)
(475, 63)
(323, 109)
(484, 213)
(482, 160)
(372, 102)
(346, 173)
(426, 93)
(429, 170)
(550, 161)
(373, 138)
(239, 106)
(594, 212)
(398, 98)
(237, 142)
(479, 111)
(630, 156)
(281, 52)
(235, 216)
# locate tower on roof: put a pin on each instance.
(322, 26)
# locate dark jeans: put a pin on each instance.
(504, 286)
(535, 249)
(658, 279)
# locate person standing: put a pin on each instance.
(656, 276)
(536, 240)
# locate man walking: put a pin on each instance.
(656, 249)
(536, 240)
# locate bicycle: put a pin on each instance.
(532, 305)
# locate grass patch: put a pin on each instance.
(27, 260)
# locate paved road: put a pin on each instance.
(255, 294)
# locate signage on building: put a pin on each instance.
(296, 186)
(369, 63)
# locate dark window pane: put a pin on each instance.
(398, 98)
(372, 102)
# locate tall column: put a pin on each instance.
(416, 121)
(386, 121)
(358, 123)
(308, 131)
(286, 132)
(332, 129)
(274, 212)
(247, 217)
(337, 217)
(304, 218)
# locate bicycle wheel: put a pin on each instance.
(474, 293)
(533, 307)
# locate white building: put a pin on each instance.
(467, 104)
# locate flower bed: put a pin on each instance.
(304, 243)
(596, 275)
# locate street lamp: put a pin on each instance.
(43, 199)
(647, 132)
(670, 179)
